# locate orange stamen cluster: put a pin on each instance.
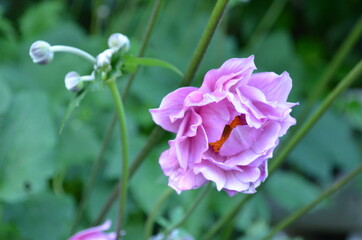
(226, 133)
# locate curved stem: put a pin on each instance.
(290, 145)
(189, 211)
(228, 217)
(204, 41)
(337, 60)
(145, 40)
(155, 211)
(73, 50)
(123, 131)
(279, 159)
(195, 62)
(266, 23)
(294, 216)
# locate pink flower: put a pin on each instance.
(227, 129)
(95, 233)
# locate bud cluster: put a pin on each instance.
(42, 53)
(117, 42)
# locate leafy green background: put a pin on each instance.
(42, 172)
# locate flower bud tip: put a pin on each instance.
(117, 41)
(41, 53)
(73, 82)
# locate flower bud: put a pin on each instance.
(73, 82)
(104, 59)
(41, 52)
(117, 41)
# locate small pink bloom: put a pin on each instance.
(227, 129)
(95, 233)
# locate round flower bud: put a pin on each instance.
(104, 59)
(73, 82)
(41, 53)
(117, 41)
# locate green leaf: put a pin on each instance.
(75, 102)
(26, 143)
(257, 208)
(131, 63)
(7, 29)
(99, 195)
(328, 145)
(78, 144)
(8, 231)
(42, 216)
(291, 191)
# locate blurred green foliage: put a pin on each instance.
(42, 173)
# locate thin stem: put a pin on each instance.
(204, 42)
(228, 217)
(294, 216)
(145, 41)
(290, 145)
(73, 50)
(189, 211)
(123, 131)
(278, 160)
(92, 177)
(330, 71)
(266, 23)
(195, 62)
(155, 211)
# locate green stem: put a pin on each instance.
(189, 211)
(290, 145)
(294, 216)
(123, 131)
(145, 41)
(155, 211)
(195, 62)
(228, 217)
(73, 50)
(204, 41)
(266, 23)
(278, 160)
(330, 71)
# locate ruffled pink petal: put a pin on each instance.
(93, 233)
(240, 139)
(189, 124)
(168, 161)
(286, 122)
(212, 173)
(190, 149)
(244, 158)
(238, 180)
(171, 109)
(241, 181)
(179, 179)
(183, 180)
(275, 87)
(267, 139)
(233, 72)
(214, 118)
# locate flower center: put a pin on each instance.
(238, 120)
